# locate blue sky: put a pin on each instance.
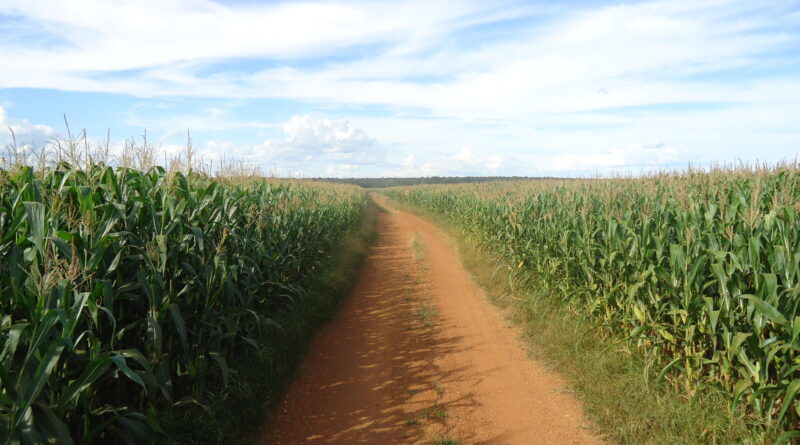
(413, 88)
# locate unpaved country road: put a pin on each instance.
(417, 355)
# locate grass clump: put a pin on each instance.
(434, 412)
(427, 314)
(445, 440)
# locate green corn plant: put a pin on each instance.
(698, 270)
(126, 293)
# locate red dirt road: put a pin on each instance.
(417, 355)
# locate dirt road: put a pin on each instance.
(418, 355)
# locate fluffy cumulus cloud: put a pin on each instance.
(314, 135)
(466, 158)
(26, 133)
(408, 167)
(315, 145)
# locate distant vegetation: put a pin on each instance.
(397, 182)
(699, 271)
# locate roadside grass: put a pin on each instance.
(615, 386)
(427, 314)
(445, 440)
(418, 248)
(437, 388)
(613, 383)
(434, 412)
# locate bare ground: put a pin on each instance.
(418, 355)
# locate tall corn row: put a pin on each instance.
(123, 292)
(701, 271)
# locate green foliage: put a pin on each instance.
(701, 272)
(126, 294)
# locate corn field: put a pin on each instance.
(700, 271)
(125, 293)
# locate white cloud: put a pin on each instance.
(465, 155)
(463, 162)
(198, 31)
(322, 135)
(317, 145)
(562, 94)
(26, 133)
(632, 52)
(636, 156)
(468, 160)
(341, 170)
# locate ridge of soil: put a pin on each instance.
(418, 355)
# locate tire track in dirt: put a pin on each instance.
(392, 369)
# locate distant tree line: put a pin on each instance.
(396, 182)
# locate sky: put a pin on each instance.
(412, 88)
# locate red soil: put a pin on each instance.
(390, 369)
